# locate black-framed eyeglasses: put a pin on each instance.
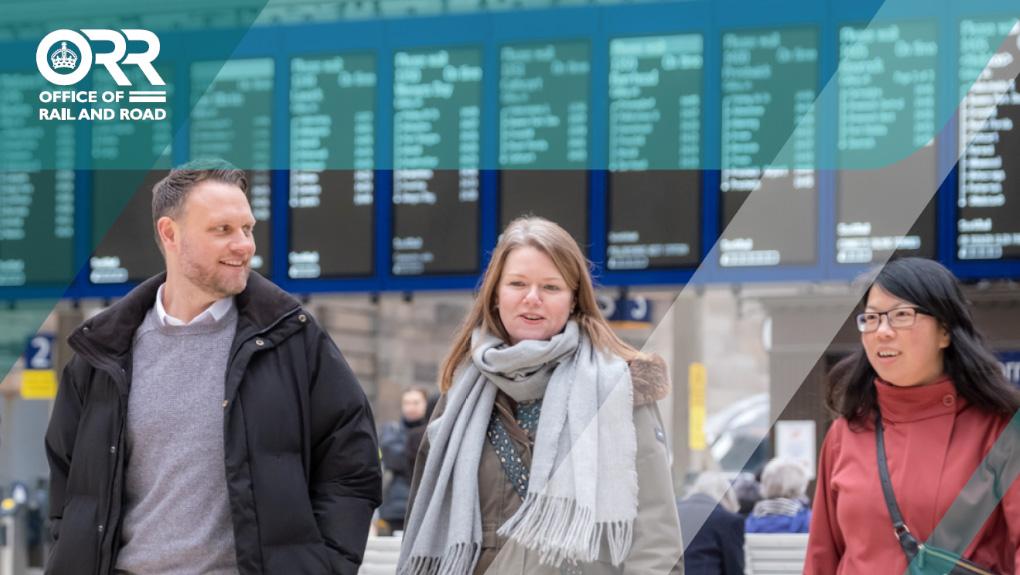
(900, 317)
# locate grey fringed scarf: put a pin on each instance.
(583, 482)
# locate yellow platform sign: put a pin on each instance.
(38, 384)
(696, 380)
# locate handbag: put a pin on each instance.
(922, 559)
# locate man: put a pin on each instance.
(206, 424)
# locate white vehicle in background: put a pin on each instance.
(738, 435)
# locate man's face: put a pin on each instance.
(214, 239)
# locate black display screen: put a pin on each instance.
(437, 99)
(769, 86)
(655, 130)
(988, 197)
(332, 154)
(123, 240)
(36, 187)
(543, 134)
(886, 142)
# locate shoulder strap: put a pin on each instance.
(907, 541)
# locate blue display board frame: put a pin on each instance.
(597, 25)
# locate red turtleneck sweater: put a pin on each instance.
(934, 440)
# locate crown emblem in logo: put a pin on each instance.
(64, 58)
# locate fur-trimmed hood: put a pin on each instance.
(650, 378)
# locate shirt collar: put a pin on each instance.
(211, 314)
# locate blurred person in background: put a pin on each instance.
(712, 528)
(516, 473)
(926, 380)
(785, 508)
(415, 435)
(399, 441)
(748, 492)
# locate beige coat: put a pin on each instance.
(657, 546)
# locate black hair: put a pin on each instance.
(968, 361)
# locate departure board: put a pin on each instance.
(332, 156)
(36, 187)
(123, 240)
(543, 134)
(231, 119)
(886, 141)
(988, 200)
(655, 131)
(437, 101)
(769, 86)
(123, 236)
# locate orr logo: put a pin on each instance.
(66, 57)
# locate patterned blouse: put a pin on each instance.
(526, 414)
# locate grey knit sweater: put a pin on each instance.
(177, 518)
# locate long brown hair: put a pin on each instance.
(552, 240)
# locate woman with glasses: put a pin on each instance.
(926, 384)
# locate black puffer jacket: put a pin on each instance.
(301, 457)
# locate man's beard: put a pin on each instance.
(210, 280)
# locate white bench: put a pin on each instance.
(765, 554)
(774, 553)
(381, 556)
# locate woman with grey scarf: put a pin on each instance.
(546, 453)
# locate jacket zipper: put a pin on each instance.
(116, 373)
(230, 367)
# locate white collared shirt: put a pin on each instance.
(211, 314)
